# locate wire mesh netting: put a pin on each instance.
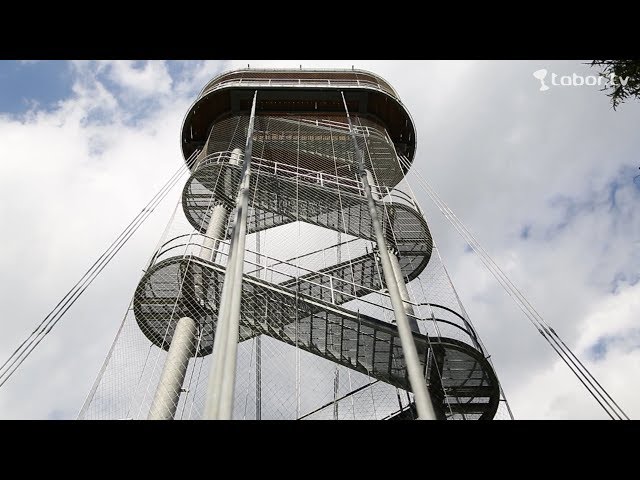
(317, 332)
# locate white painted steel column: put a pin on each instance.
(182, 347)
(414, 369)
(219, 217)
(404, 293)
(222, 377)
(215, 231)
(397, 272)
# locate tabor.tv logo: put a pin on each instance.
(576, 80)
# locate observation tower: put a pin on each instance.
(297, 277)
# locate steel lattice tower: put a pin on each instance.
(298, 277)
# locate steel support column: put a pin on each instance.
(397, 271)
(404, 293)
(215, 232)
(219, 217)
(418, 383)
(169, 387)
(219, 403)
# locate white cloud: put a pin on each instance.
(555, 393)
(71, 179)
(141, 78)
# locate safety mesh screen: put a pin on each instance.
(317, 332)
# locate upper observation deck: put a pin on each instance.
(300, 93)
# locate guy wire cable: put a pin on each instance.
(20, 354)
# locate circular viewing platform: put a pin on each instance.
(305, 93)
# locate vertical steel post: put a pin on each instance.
(336, 386)
(169, 388)
(397, 271)
(182, 345)
(219, 404)
(258, 341)
(215, 231)
(404, 293)
(416, 379)
(219, 216)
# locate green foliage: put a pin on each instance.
(617, 71)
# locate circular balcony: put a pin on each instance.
(313, 94)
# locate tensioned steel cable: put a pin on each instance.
(466, 319)
(418, 384)
(179, 294)
(484, 349)
(556, 343)
(219, 403)
(67, 301)
(389, 220)
(387, 216)
(339, 239)
(107, 360)
(547, 332)
(523, 304)
(21, 353)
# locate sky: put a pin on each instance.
(543, 179)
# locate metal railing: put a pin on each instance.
(437, 320)
(340, 183)
(359, 130)
(362, 130)
(298, 83)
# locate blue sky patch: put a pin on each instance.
(614, 185)
(628, 340)
(621, 278)
(24, 83)
(598, 350)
